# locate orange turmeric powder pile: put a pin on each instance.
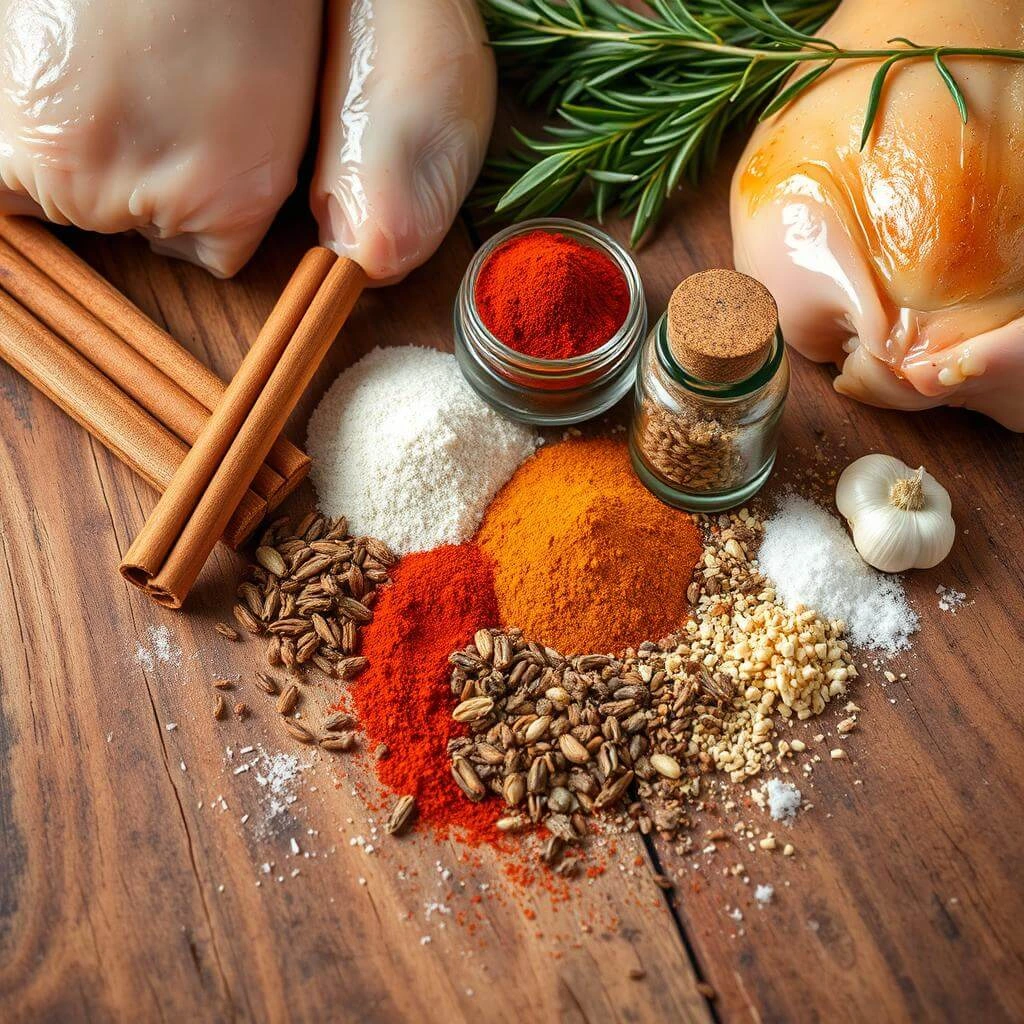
(586, 559)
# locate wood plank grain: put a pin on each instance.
(903, 900)
(145, 871)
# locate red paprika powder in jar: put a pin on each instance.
(549, 320)
(551, 297)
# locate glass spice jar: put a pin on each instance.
(711, 385)
(549, 392)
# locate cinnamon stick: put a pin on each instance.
(38, 245)
(105, 411)
(150, 387)
(150, 548)
(303, 354)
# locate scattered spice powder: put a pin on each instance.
(551, 297)
(586, 559)
(437, 601)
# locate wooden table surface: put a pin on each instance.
(147, 874)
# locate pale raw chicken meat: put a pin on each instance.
(182, 119)
(904, 263)
(406, 113)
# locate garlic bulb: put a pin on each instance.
(900, 518)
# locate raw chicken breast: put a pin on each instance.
(904, 263)
(183, 119)
(407, 108)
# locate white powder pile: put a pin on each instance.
(406, 450)
(812, 561)
(783, 799)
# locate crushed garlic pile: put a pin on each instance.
(780, 662)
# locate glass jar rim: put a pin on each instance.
(733, 389)
(589, 235)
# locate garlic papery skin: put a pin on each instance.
(900, 517)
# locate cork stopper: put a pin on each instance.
(721, 325)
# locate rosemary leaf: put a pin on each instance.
(642, 99)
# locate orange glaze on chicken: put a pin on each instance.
(902, 262)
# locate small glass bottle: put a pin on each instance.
(711, 384)
(549, 392)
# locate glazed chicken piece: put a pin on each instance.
(182, 119)
(406, 114)
(903, 263)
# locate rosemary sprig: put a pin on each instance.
(642, 99)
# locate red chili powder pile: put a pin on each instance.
(438, 599)
(548, 296)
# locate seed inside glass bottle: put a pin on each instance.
(710, 389)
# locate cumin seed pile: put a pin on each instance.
(309, 592)
(311, 589)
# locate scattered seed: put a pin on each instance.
(241, 709)
(223, 684)
(226, 631)
(298, 731)
(401, 816)
(247, 620)
(340, 721)
(267, 683)
(339, 741)
(219, 707)
(288, 700)
(349, 668)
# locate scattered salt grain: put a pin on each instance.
(764, 894)
(278, 775)
(404, 448)
(811, 560)
(783, 799)
(160, 650)
(949, 599)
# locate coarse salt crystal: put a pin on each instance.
(949, 599)
(783, 799)
(811, 560)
